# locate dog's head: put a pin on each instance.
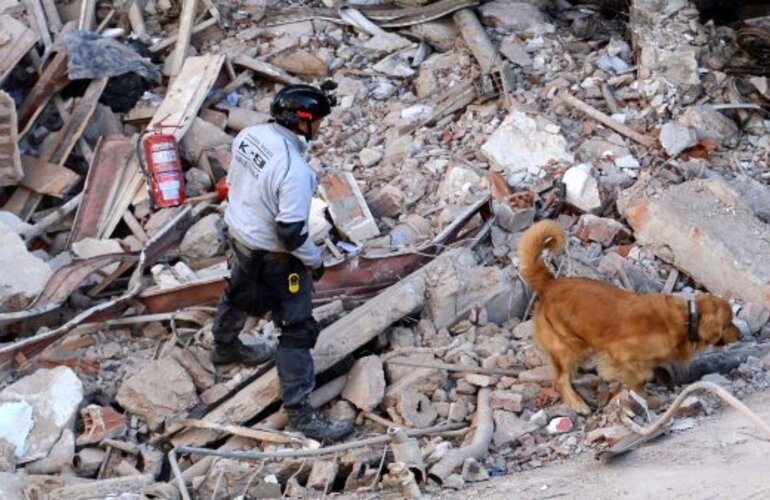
(715, 321)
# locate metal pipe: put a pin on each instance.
(263, 455)
(478, 448)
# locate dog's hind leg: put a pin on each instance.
(565, 359)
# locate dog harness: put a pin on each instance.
(692, 320)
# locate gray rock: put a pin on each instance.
(365, 387)
(205, 239)
(675, 138)
(196, 182)
(162, 389)
(509, 428)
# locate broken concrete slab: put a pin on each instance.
(205, 239)
(161, 389)
(348, 208)
(705, 230)
(365, 387)
(24, 275)
(523, 142)
(461, 285)
(50, 399)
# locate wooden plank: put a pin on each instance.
(35, 9)
(168, 42)
(266, 70)
(52, 14)
(185, 97)
(186, 20)
(19, 39)
(87, 15)
(47, 178)
(76, 124)
(53, 79)
(10, 163)
(105, 173)
(24, 201)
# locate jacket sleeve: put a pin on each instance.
(295, 193)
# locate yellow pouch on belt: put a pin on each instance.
(294, 283)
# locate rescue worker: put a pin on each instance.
(270, 187)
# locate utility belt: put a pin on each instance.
(250, 253)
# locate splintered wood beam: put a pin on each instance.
(20, 40)
(52, 79)
(24, 201)
(187, 19)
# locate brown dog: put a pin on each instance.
(631, 333)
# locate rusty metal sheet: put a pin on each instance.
(359, 276)
(110, 158)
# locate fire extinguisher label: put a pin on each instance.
(170, 189)
(167, 156)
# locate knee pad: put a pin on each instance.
(303, 335)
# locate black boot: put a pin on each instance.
(309, 421)
(238, 352)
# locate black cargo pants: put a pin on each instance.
(279, 283)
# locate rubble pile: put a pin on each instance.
(459, 124)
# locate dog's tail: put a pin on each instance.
(544, 234)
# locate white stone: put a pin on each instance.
(23, 274)
(385, 43)
(15, 424)
(582, 188)
(319, 226)
(54, 396)
(675, 138)
(365, 387)
(522, 142)
(94, 247)
(457, 184)
(395, 65)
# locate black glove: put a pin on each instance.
(318, 272)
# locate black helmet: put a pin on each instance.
(297, 103)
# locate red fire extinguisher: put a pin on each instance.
(164, 167)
